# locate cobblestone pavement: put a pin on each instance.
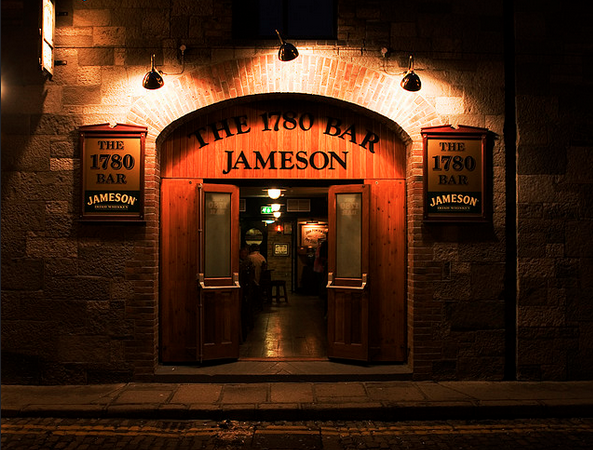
(113, 434)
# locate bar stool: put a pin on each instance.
(278, 296)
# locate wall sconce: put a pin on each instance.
(287, 51)
(411, 82)
(153, 78)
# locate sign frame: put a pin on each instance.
(47, 36)
(454, 158)
(112, 140)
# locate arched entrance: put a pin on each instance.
(289, 139)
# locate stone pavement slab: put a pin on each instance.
(379, 400)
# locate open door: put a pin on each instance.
(348, 272)
(218, 272)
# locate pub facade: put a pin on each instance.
(139, 144)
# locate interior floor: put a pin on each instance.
(293, 330)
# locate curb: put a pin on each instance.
(322, 412)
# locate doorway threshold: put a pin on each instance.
(263, 371)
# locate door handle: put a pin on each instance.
(330, 285)
(235, 284)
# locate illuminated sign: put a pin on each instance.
(112, 172)
(266, 210)
(48, 20)
(454, 174)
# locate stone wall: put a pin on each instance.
(80, 301)
(555, 187)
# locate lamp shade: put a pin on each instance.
(153, 79)
(287, 51)
(411, 82)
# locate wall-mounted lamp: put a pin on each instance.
(287, 51)
(277, 214)
(153, 79)
(411, 82)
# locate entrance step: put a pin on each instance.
(280, 371)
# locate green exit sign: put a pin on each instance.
(266, 210)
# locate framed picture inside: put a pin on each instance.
(281, 249)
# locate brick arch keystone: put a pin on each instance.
(309, 74)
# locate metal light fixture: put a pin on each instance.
(287, 51)
(411, 82)
(153, 79)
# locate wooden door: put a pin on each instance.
(178, 268)
(218, 276)
(348, 272)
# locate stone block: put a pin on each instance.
(106, 259)
(155, 22)
(475, 315)
(458, 288)
(91, 18)
(532, 292)
(483, 368)
(179, 27)
(83, 349)
(40, 338)
(55, 124)
(25, 153)
(82, 95)
(64, 267)
(109, 36)
(531, 161)
(78, 288)
(541, 268)
(580, 160)
(74, 37)
(39, 246)
(541, 316)
(89, 75)
(580, 364)
(17, 124)
(487, 281)
(578, 239)
(20, 217)
(96, 57)
(22, 274)
(449, 105)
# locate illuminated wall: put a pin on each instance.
(80, 301)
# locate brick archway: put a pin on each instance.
(315, 75)
(308, 74)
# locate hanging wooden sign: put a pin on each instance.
(112, 160)
(455, 174)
